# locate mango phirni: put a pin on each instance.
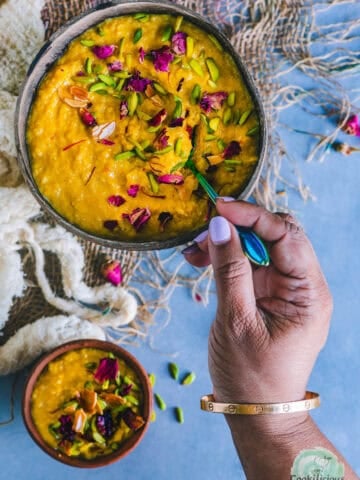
(87, 403)
(113, 121)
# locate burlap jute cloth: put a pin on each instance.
(272, 36)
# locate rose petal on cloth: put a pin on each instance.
(108, 369)
(162, 58)
(352, 126)
(212, 101)
(178, 43)
(112, 272)
(104, 51)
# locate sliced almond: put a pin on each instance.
(156, 100)
(78, 93)
(63, 92)
(149, 91)
(104, 130)
(112, 399)
(79, 420)
(215, 159)
(88, 400)
(76, 103)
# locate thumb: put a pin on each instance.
(233, 273)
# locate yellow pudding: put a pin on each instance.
(114, 120)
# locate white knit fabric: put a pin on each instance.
(21, 35)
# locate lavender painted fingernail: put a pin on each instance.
(219, 230)
(227, 199)
(193, 248)
(201, 237)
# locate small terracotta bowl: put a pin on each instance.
(125, 447)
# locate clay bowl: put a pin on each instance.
(124, 448)
(55, 47)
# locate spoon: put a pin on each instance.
(253, 246)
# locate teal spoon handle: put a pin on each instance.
(253, 246)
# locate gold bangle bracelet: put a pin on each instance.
(311, 400)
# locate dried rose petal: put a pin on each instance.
(108, 369)
(178, 43)
(162, 138)
(138, 217)
(126, 389)
(124, 109)
(104, 51)
(112, 272)
(110, 224)
(132, 420)
(105, 424)
(136, 83)
(80, 74)
(158, 118)
(176, 122)
(172, 178)
(164, 218)
(116, 66)
(162, 58)
(105, 141)
(212, 101)
(116, 200)
(189, 131)
(65, 428)
(232, 150)
(132, 191)
(352, 126)
(141, 55)
(87, 118)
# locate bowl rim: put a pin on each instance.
(56, 43)
(39, 367)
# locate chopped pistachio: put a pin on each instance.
(121, 75)
(179, 414)
(139, 153)
(231, 99)
(233, 162)
(88, 66)
(97, 86)
(167, 33)
(216, 42)
(131, 399)
(160, 402)
(152, 379)
(120, 84)
(212, 84)
(143, 116)
(210, 137)
(213, 69)
(100, 31)
(159, 88)
(195, 94)
(221, 145)
(107, 79)
(84, 80)
(125, 155)
(142, 17)
(236, 116)
(227, 116)
(177, 167)
(214, 123)
(87, 43)
(98, 68)
(195, 65)
(189, 46)
(178, 145)
(173, 370)
(154, 129)
(188, 379)
(137, 35)
(252, 131)
(153, 416)
(178, 23)
(114, 446)
(132, 103)
(145, 143)
(205, 121)
(164, 150)
(177, 60)
(128, 60)
(178, 109)
(98, 438)
(244, 117)
(121, 46)
(153, 183)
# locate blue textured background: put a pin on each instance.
(201, 448)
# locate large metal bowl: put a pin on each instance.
(55, 47)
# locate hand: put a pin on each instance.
(271, 322)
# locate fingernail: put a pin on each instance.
(193, 248)
(201, 237)
(219, 230)
(227, 199)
